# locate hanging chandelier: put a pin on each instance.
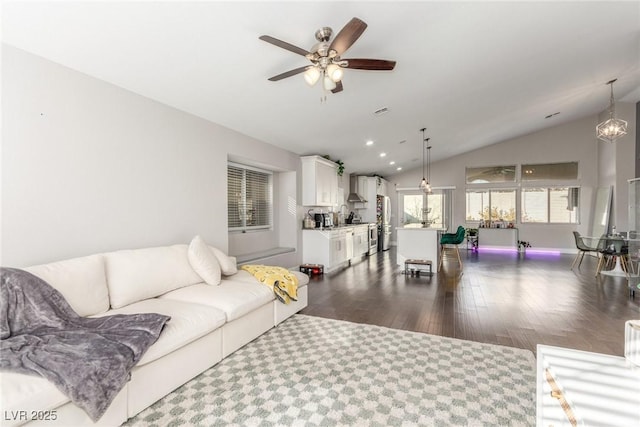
(612, 128)
(425, 183)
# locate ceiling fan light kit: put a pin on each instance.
(312, 75)
(612, 128)
(328, 83)
(325, 56)
(334, 71)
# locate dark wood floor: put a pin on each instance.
(500, 298)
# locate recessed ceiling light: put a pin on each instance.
(369, 142)
(399, 168)
(392, 162)
(383, 154)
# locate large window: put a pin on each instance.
(249, 198)
(419, 209)
(490, 174)
(491, 205)
(550, 205)
(546, 196)
(550, 171)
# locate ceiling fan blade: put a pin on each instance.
(370, 64)
(348, 35)
(284, 45)
(338, 87)
(289, 73)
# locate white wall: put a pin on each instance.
(574, 141)
(89, 167)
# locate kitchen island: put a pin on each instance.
(418, 243)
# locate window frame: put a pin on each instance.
(548, 189)
(496, 168)
(524, 177)
(244, 199)
(446, 207)
(490, 190)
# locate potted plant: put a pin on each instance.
(522, 246)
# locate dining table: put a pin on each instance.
(634, 254)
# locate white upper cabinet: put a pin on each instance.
(319, 181)
(382, 186)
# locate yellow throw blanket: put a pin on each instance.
(282, 281)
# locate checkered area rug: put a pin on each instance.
(311, 371)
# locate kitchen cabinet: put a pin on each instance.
(346, 235)
(369, 187)
(338, 250)
(368, 190)
(360, 241)
(382, 186)
(334, 248)
(327, 247)
(319, 181)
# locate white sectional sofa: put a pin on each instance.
(208, 322)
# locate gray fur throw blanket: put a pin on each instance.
(88, 359)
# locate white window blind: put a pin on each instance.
(249, 198)
(554, 205)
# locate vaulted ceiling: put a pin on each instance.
(472, 73)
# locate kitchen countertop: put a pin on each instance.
(338, 227)
(421, 229)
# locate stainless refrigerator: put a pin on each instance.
(383, 217)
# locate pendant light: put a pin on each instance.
(424, 184)
(612, 128)
(428, 166)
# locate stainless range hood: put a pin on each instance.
(354, 194)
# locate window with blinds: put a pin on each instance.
(550, 205)
(249, 198)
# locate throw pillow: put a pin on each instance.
(204, 261)
(227, 263)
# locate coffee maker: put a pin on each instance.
(323, 220)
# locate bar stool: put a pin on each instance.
(451, 241)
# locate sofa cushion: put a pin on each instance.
(234, 298)
(82, 282)
(189, 321)
(227, 263)
(204, 261)
(135, 275)
(28, 393)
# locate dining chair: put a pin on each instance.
(451, 241)
(583, 248)
(614, 249)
